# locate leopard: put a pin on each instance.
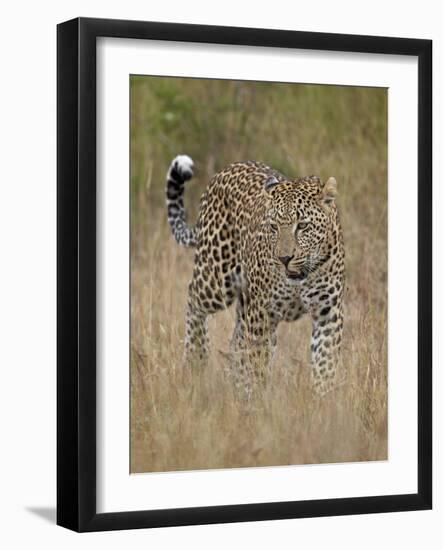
(272, 245)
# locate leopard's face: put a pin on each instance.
(299, 223)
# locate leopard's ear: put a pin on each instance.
(270, 183)
(329, 192)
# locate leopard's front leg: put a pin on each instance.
(327, 332)
(252, 344)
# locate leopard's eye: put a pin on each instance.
(302, 225)
(273, 226)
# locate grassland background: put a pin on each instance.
(179, 423)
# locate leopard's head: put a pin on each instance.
(299, 220)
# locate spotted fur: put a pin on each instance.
(180, 171)
(273, 246)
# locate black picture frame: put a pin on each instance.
(76, 274)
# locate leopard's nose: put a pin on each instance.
(285, 260)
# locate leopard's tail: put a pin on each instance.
(180, 171)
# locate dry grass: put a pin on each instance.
(183, 423)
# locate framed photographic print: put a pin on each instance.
(244, 274)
